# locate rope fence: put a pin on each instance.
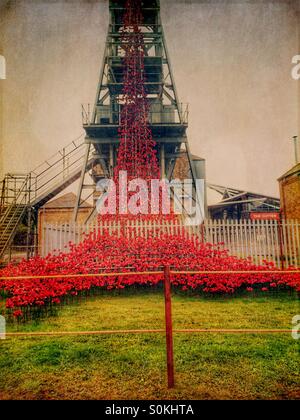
(168, 331)
(150, 331)
(140, 273)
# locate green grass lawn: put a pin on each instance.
(208, 366)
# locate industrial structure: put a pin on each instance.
(93, 155)
(239, 204)
(234, 204)
(167, 117)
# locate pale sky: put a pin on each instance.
(231, 61)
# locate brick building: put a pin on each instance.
(60, 211)
(289, 186)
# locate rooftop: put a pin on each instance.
(293, 171)
(66, 201)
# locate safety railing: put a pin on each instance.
(145, 28)
(59, 167)
(18, 191)
(13, 213)
(52, 172)
(157, 115)
(10, 187)
(19, 197)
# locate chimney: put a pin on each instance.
(295, 139)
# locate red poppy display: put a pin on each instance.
(111, 253)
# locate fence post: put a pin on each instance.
(169, 328)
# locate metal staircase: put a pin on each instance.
(14, 188)
(21, 193)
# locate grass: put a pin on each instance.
(208, 366)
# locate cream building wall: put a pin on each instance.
(231, 61)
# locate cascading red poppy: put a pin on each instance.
(136, 152)
(112, 253)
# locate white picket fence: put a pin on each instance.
(258, 239)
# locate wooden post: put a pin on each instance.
(169, 328)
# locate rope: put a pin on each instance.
(151, 331)
(236, 272)
(56, 276)
(140, 273)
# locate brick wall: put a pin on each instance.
(60, 216)
(290, 196)
(181, 169)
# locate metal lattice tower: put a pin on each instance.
(167, 117)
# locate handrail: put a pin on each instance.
(23, 189)
(61, 158)
(55, 154)
(55, 176)
(13, 214)
(18, 191)
(45, 176)
(63, 170)
(178, 116)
